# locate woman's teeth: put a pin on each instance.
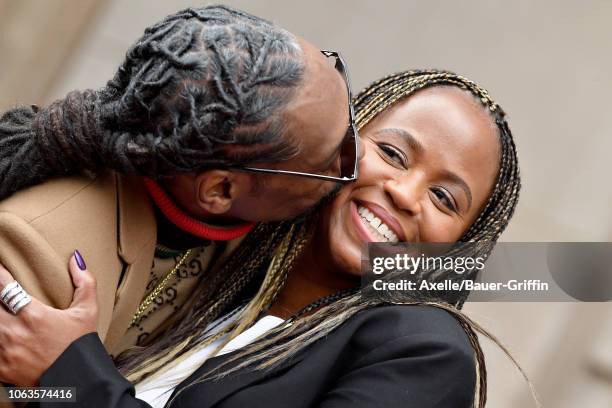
(379, 228)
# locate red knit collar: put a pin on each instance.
(189, 224)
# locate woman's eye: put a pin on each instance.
(444, 198)
(393, 153)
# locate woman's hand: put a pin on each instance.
(34, 338)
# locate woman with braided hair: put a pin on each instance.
(439, 165)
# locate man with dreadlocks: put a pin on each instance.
(161, 173)
(439, 165)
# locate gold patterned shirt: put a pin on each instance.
(175, 295)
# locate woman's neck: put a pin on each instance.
(311, 278)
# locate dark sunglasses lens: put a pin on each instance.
(348, 154)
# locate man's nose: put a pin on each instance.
(336, 166)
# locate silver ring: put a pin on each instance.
(21, 304)
(14, 297)
(5, 292)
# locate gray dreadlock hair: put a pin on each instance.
(203, 88)
(288, 339)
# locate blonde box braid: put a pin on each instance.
(286, 340)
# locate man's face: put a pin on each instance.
(317, 121)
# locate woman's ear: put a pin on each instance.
(216, 191)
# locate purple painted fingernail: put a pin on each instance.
(79, 260)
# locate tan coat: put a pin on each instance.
(110, 220)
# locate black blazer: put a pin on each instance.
(390, 356)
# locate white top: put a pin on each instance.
(156, 389)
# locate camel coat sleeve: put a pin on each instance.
(40, 227)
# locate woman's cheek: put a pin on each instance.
(345, 253)
(442, 229)
(348, 258)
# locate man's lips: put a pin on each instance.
(386, 218)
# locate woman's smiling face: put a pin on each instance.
(428, 168)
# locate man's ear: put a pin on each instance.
(216, 190)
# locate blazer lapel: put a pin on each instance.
(137, 234)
